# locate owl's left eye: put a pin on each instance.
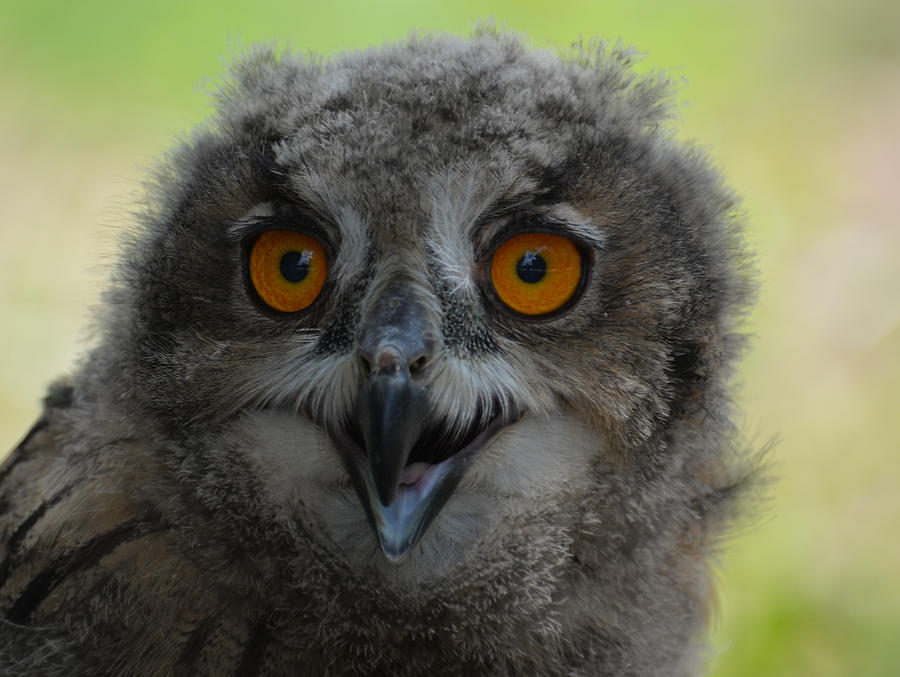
(535, 274)
(287, 269)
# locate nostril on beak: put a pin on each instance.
(417, 364)
(389, 359)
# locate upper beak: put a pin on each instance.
(391, 412)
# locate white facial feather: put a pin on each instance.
(522, 473)
(456, 206)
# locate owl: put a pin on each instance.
(415, 362)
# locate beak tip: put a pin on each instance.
(395, 556)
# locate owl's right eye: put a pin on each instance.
(288, 269)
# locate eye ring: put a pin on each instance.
(537, 275)
(287, 269)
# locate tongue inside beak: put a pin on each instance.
(413, 473)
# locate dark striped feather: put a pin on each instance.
(83, 557)
(59, 396)
(19, 453)
(24, 528)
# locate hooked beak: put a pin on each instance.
(402, 459)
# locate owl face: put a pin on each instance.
(417, 302)
(419, 409)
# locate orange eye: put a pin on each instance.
(536, 273)
(288, 269)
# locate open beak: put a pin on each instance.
(401, 457)
(405, 470)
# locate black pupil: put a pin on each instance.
(531, 268)
(295, 266)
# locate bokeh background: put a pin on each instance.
(798, 101)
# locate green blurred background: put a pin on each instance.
(798, 101)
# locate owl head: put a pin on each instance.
(435, 299)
